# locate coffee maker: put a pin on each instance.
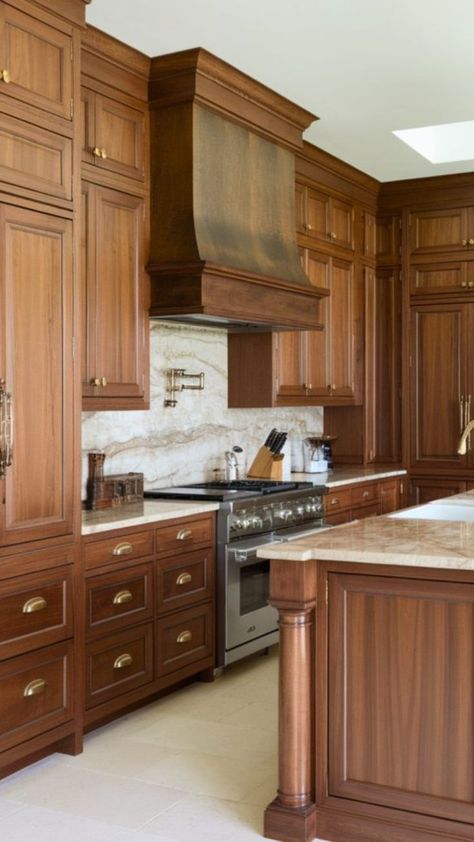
(318, 453)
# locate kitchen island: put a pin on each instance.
(377, 680)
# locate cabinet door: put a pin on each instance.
(439, 349)
(290, 362)
(114, 309)
(438, 230)
(341, 328)
(388, 239)
(425, 489)
(316, 349)
(370, 236)
(117, 136)
(36, 364)
(317, 215)
(401, 695)
(341, 225)
(436, 278)
(38, 59)
(389, 496)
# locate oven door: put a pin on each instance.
(248, 615)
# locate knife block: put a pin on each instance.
(266, 465)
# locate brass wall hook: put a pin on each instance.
(175, 374)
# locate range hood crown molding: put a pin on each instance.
(223, 239)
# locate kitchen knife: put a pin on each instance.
(270, 437)
(279, 442)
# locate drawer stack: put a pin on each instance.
(360, 500)
(149, 597)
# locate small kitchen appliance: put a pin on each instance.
(251, 513)
(318, 453)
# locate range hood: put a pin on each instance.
(223, 244)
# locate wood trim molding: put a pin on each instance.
(109, 49)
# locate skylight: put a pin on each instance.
(441, 144)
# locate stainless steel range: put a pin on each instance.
(251, 513)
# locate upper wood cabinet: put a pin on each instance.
(323, 217)
(442, 230)
(369, 241)
(115, 324)
(36, 60)
(36, 364)
(388, 239)
(113, 135)
(440, 278)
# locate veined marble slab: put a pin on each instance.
(382, 540)
(345, 476)
(137, 514)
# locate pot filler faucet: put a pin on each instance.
(462, 448)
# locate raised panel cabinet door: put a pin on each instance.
(290, 363)
(113, 290)
(401, 695)
(35, 159)
(388, 239)
(119, 136)
(318, 269)
(341, 328)
(438, 230)
(38, 60)
(425, 489)
(36, 307)
(370, 236)
(341, 223)
(317, 215)
(439, 349)
(435, 278)
(389, 496)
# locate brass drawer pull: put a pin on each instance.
(184, 579)
(123, 661)
(36, 603)
(184, 637)
(103, 154)
(122, 597)
(5, 76)
(33, 688)
(334, 501)
(97, 152)
(183, 534)
(365, 494)
(125, 548)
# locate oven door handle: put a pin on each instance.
(246, 557)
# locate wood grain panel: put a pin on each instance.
(438, 230)
(35, 159)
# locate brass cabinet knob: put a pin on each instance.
(123, 661)
(97, 152)
(471, 284)
(95, 381)
(463, 283)
(333, 235)
(103, 381)
(103, 154)
(5, 76)
(124, 548)
(184, 579)
(35, 687)
(471, 241)
(184, 534)
(464, 242)
(36, 603)
(334, 501)
(333, 387)
(184, 637)
(329, 387)
(123, 597)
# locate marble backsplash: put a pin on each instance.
(182, 444)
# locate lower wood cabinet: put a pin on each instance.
(361, 500)
(149, 611)
(425, 489)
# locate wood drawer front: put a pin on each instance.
(336, 518)
(118, 599)
(35, 611)
(362, 512)
(184, 580)
(185, 535)
(389, 496)
(335, 501)
(364, 494)
(183, 638)
(35, 159)
(46, 677)
(122, 548)
(118, 664)
(39, 60)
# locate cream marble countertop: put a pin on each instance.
(412, 542)
(346, 475)
(137, 514)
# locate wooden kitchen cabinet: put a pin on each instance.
(424, 489)
(441, 375)
(388, 239)
(115, 357)
(442, 230)
(324, 217)
(114, 138)
(442, 279)
(359, 500)
(369, 247)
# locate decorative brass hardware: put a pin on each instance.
(307, 226)
(124, 548)
(5, 76)
(103, 381)
(333, 387)
(329, 388)
(103, 154)
(184, 534)
(95, 381)
(464, 283)
(464, 242)
(184, 637)
(6, 429)
(334, 501)
(123, 661)
(35, 687)
(97, 152)
(122, 597)
(184, 579)
(366, 493)
(173, 386)
(471, 241)
(333, 235)
(307, 386)
(470, 284)
(36, 603)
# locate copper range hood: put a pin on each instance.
(223, 242)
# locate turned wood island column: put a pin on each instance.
(291, 816)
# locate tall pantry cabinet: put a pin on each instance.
(39, 382)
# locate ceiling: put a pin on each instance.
(365, 68)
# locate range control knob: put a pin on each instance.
(256, 522)
(284, 514)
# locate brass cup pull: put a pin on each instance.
(35, 687)
(184, 534)
(123, 661)
(125, 548)
(123, 597)
(97, 152)
(184, 637)
(103, 154)
(184, 579)
(36, 603)
(5, 76)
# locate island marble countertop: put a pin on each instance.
(346, 475)
(412, 542)
(137, 514)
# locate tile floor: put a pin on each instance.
(196, 766)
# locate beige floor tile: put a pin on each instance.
(262, 714)
(118, 755)
(265, 791)
(210, 819)
(121, 801)
(42, 825)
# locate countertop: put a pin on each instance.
(384, 540)
(346, 475)
(136, 514)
